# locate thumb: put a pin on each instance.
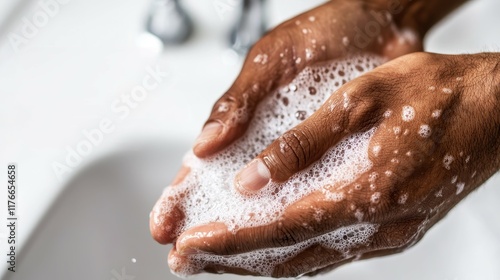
(261, 73)
(274, 61)
(301, 146)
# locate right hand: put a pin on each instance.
(437, 140)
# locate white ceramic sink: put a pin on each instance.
(100, 221)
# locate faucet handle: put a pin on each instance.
(250, 26)
(169, 21)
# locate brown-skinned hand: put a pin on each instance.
(421, 167)
(438, 138)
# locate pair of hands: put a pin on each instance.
(437, 139)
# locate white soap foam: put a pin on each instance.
(261, 58)
(447, 90)
(447, 161)
(425, 131)
(408, 113)
(436, 113)
(208, 193)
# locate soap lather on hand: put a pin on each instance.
(314, 157)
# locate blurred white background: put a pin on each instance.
(73, 73)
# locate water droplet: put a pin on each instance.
(447, 90)
(345, 41)
(424, 131)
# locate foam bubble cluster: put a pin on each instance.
(408, 113)
(208, 193)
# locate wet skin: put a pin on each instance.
(437, 139)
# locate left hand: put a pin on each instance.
(440, 141)
(313, 37)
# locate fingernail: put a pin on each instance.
(254, 176)
(209, 132)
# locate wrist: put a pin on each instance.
(417, 15)
(476, 80)
(496, 77)
(484, 69)
(480, 76)
(495, 73)
(489, 63)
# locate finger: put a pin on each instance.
(389, 238)
(180, 265)
(344, 113)
(274, 61)
(164, 220)
(329, 252)
(215, 238)
(232, 113)
(166, 216)
(262, 72)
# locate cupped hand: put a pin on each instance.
(437, 138)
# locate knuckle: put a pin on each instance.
(293, 152)
(289, 231)
(283, 237)
(365, 102)
(228, 248)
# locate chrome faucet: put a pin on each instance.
(250, 26)
(168, 21)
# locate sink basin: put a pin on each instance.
(98, 229)
(100, 221)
